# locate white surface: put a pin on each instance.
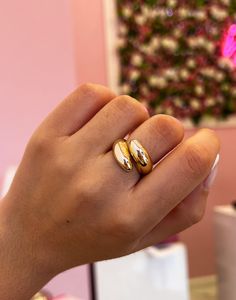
(146, 275)
(225, 240)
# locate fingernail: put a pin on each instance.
(208, 182)
(145, 107)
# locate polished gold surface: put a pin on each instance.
(140, 155)
(122, 155)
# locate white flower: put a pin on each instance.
(159, 82)
(125, 88)
(208, 72)
(184, 74)
(210, 46)
(161, 13)
(192, 42)
(200, 15)
(147, 49)
(169, 43)
(158, 110)
(172, 3)
(178, 102)
(153, 14)
(155, 43)
(195, 104)
(201, 41)
(127, 12)
(210, 101)
(177, 33)
(183, 13)
(191, 63)
(225, 2)
(136, 60)
(146, 11)
(171, 74)
(140, 19)
(169, 111)
(134, 74)
(219, 76)
(218, 13)
(199, 90)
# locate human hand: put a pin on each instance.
(70, 203)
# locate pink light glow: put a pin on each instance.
(229, 45)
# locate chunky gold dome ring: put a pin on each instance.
(140, 155)
(124, 151)
(122, 155)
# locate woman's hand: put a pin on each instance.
(70, 203)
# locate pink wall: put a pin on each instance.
(89, 41)
(37, 69)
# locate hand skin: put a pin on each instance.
(71, 204)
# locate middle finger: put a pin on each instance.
(159, 135)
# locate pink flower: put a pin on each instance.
(229, 45)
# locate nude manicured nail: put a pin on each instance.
(208, 182)
(145, 107)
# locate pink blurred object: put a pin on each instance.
(229, 45)
(170, 240)
(65, 297)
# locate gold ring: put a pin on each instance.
(124, 151)
(122, 155)
(140, 155)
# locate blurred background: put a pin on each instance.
(47, 49)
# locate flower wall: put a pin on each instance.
(179, 57)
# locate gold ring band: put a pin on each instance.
(124, 151)
(140, 155)
(122, 155)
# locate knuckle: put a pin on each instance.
(61, 166)
(195, 215)
(197, 158)
(96, 94)
(169, 129)
(87, 91)
(87, 88)
(127, 104)
(191, 216)
(89, 190)
(40, 144)
(125, 228)
(198, 216)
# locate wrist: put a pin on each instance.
(23, 269)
